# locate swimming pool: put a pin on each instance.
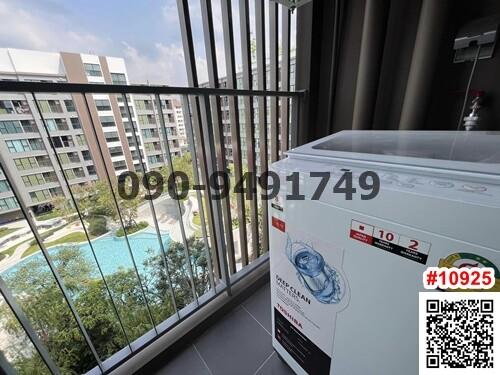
(112, 252)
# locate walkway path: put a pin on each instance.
(24, 244)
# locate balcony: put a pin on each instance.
(238, 342)
(210, 260)
(117, 276)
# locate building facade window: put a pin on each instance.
(146, 119)
(149, 133)
(118, 79)
(80, 140)
(69, 157)
(74, 173)
(40, 196)
(70, 106)
(8, 204)
(50, 106)
(155, 159)
(58, 124)
(4, 186)
(107, 121)
(119, 165)
(39, 179)
(24, 145)
(91, 170)
(6, 107)
(111, 137)
(115, 151)
(86, 155)
(103, 104)
(25, 163)
(124, 114)
(10, 127)
(93, 70)
(15, 126)
(144, 105)
(29, 126)
(63, 141)
(20, 107)
(75, 123)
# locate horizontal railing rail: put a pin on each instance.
(96, 88)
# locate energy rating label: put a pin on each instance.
(388, 240)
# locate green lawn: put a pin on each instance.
(48, 233)
(46, 216)
(130, 230)
(69, 238)
(6, 231)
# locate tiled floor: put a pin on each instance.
(239, 343)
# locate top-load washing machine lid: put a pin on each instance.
(473, 152)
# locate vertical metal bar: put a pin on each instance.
(218, 127)
(273, 79)
(246, 58)
(152, 208)
(294, 131)
(261, 85)
(189, 58)
(80, 217)
(31, 223)
(189, 133)
(227, 30)
(27, 327)
(303, 63)
(285, 76)
(5, 366)
(206, 122)
(110, 183)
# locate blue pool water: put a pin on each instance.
(112, 252)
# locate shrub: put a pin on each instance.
(97, 226)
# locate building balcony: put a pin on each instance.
(123, 282)
(206, 274)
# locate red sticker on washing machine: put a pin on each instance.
(278, 224)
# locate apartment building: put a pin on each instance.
(24, 142)
(224, 103)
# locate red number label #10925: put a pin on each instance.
(459, 278)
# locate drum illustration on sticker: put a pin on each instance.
(323, 281)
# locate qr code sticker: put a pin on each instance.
(458, 333)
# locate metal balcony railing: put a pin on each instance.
(205, 259)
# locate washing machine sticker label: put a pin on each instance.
(469, 260)
(310, 289)
(388, 240)
(277, 202)
(322, 281)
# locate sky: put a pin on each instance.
(146, 33)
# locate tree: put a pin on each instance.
(178, 269)
(34, 287)
(63, 207)
(42, 301)
(184, 164)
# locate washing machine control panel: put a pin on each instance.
(443, 186)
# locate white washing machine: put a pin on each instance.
(346, 274)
